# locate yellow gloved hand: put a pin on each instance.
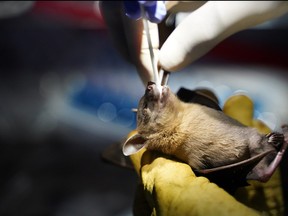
(169, 187)
(263, 197)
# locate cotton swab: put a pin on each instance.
(153, 60)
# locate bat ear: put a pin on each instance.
(133, 144)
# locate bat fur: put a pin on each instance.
(198, 135)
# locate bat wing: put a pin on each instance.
(200, 96)
(232, 176)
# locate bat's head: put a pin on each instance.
(154, 109)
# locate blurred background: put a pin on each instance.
(66, 95)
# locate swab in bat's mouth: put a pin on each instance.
(153, 91)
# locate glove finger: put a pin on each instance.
(183, 6)
(112, 14)
(155, 12)
(132, 9)
(203, 29)
(144, 64)
(130, 38)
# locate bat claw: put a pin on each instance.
(275, 139)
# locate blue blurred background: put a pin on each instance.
(66, 95)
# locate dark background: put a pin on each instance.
(66, 96)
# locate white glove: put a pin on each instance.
(212, 23)
(197, 34)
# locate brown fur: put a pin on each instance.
(198, 135)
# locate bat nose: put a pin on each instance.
(150, 85)
(151, 91)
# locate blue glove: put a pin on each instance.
(155, 11)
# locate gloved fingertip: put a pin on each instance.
(132, 9)
(147, 3)
(156, 18)
(169, 59)
(156, 12)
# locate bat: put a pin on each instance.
(113, 153)
(204, 137)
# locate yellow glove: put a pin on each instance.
(266, 197)
(171, 188)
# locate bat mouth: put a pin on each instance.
(154, 93)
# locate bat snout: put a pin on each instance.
(152, 91)
(150, 86)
